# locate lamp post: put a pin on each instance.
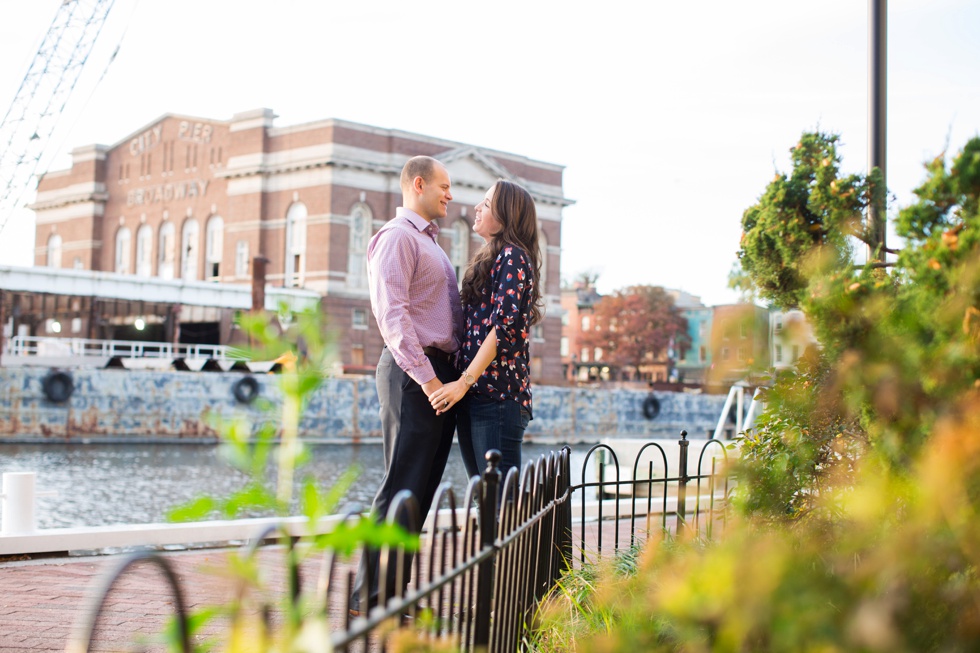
(877, 105)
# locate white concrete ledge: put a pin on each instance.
(225, 532)
(152, 535)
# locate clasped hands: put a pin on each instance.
(445, 397)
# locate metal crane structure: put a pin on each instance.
(33, 115)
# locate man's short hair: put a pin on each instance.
(417, 166)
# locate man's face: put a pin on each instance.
(436, 194)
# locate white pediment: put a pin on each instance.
(471, 168)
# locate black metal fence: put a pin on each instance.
(478, 581)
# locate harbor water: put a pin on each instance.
(103, 484)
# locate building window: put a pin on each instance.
(743, 329)
(54, 251)
(796, 353)
(740, 354)
(167, 254)
(537, 365)
(77, 263)
(295, 245)
(778, 353)
(190, 235)
(565, 319)
(144, 251)
(214, 247)
(241, 258)
(459, 248)
(724, 353)
(598, 354)
(702, 354)
(563, 347)
(76, 325)
(360, 235)
(584, 355)
(357, 355)
(543, 246)
(123, 253)
(537, 333)
(585, 323)
(779, 322)
(359, 318)
(703, 329)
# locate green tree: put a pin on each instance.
(859, 489)
(801, 224)
(899, 345)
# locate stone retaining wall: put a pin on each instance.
(121, 405)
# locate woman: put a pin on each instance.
(501, 302)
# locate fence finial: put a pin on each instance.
(493, 460)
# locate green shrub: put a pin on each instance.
(857, 516)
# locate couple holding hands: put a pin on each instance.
(454, 361)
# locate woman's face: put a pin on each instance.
(486, 224)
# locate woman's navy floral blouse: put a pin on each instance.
(505, 304)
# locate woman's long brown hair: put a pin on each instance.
(513, 206)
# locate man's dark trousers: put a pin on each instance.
(416, 446)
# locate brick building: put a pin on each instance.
(198, 199)
(578, 309)
(740, 343)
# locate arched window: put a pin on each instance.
(360, 234)
(190, 236)
(543, 246)
(54, 251)
(295, 245)
(144, 251)
(123, 250)
(214, 237)
(459, 251)
(168, 249)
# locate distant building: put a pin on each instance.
(739, 342)
(198, 199)
(693, 365)
(578, 304)
(790, 335)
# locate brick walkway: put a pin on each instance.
(42, 600)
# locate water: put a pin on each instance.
(103, 484)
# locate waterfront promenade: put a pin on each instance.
(42, 599)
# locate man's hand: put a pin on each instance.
(431, 386)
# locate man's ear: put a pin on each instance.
(418, 185)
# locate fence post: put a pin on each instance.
(682, 479)
(488, 528)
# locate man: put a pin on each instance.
(415, 299)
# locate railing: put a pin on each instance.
(86, 348)
(478, 581)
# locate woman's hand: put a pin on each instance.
(446, 397)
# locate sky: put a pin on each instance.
(669, 117)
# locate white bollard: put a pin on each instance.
(18, 503)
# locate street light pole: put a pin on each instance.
(877, 105)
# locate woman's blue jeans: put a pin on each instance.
(483, 424)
